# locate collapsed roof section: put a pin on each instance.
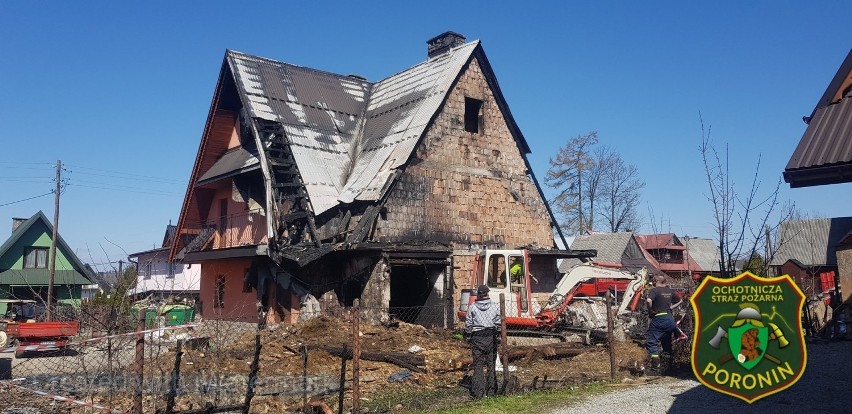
(347, 135)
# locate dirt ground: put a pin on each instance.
(281, 366)
(444, 355)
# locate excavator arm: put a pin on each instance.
(568, 285)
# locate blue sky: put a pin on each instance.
(120, 92)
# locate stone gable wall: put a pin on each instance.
(467, 188)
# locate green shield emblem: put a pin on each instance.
(748, 344)
(748, 340)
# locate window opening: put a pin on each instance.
(497, 272)
(247, 281)
(519, 281)
(472, 114)
(219, 299)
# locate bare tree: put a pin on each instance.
(744, 222)
(566, 175)
(594, 182)
(620, 195)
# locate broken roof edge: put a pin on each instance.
(838, 79)
(393, 174)
(357, 78)
(472, 43)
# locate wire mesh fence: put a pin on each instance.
(335, 359)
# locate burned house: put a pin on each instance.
(309, 184)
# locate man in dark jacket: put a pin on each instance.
(661, 301)
(482, 331)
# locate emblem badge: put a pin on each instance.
(748, 340)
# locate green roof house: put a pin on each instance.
(25, 264)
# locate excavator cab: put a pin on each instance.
(505, 272)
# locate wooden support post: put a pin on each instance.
(342, 379)
(304, 350)
(610, 338)
(255, 362)
(139, 362)
(49, 306)
(356, 356)
(175, 380)
(504, 356)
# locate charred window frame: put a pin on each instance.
(472, 115)
(247, 281)
(219, 294)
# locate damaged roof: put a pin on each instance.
(347, 135)
(824, 154)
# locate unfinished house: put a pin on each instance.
(313, 185)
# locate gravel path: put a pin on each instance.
(824, 388)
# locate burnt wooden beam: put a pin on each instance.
(404, 360)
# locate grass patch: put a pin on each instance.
(456, 400)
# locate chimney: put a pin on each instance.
(442, 43)
(17, 222)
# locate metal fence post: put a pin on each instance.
(356, 355)
(255, 362)
(504, 357)
(610, 337)
(342, 378)
(139, 361)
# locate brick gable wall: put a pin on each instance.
(463, 187)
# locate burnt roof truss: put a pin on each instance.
(291, 207)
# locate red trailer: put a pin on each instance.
(25, 331)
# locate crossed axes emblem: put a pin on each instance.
(749, 314)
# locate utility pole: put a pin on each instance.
(49, 306)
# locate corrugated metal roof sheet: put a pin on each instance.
(610, 247)
(828, 139)
(811, 242)
(657, 241)
(824, 154)
(704, 252)
(41, 277)
(321, 113)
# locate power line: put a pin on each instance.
(126, 189)
(117, 174)
(26, 163)
(33, 180)
(26, 199)
(138, 178)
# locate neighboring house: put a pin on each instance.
(808, 250)
(705, 253)
(157, 277)
(309, 183)
(668, 254)
(658, 253)
(613, 249)
(823, 157)
(100, 285)
(25, 264)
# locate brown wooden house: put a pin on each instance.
(823, 156)
(313, 184)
